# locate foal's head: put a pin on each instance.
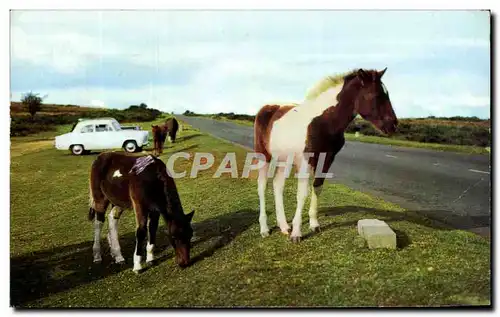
(155, 131)
(372, 99)
(180, 234)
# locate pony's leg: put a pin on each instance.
(96, 248)
(279, 185)
(261, 184)
(317, 187)
(140, 235)
(302, 189)
(154, 218)
(313, 209)
(113, 241)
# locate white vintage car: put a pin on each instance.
(100, 134)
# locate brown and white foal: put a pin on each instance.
(311, 134)
(141, 183)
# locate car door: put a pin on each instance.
(86, 137)
(106, 136)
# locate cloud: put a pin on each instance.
(212, 61)
(97, 103)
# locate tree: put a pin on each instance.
(143, 106)
(33, 102)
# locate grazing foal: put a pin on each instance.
(141, 183)
(311, 134)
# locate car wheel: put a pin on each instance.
(130, 146)
(77, 149)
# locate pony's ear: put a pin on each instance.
(190, 215)
(361, 72)
(362, 75)
(381, 73)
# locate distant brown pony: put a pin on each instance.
(312, 132)
(141, 183)
(161, 132)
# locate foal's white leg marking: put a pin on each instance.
(313, 210)
(261, 188)
(137, 261)
(169, 139)
(149, 254)
(279, 185)
(117, 174)
(302, 189)
(114, 243)
(97, 241)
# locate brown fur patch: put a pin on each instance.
(325, 133)
(263, 124)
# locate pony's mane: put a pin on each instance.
(328, 82)
(324, 84)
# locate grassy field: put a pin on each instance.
(431, 146)
(51, 245)
(397, 142)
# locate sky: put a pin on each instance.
(438, 62)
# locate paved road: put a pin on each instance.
(450, 187)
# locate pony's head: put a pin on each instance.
(180, 233)
(155, 129)
(372, 101)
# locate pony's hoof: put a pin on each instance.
(137, 267)
(119, 260)
(150, 259)
(264, 234)
(295, 239)
(316, 229)
(286, 231)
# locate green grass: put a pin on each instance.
(470, 149)
(237, 121)
(51, 246)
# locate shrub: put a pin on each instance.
(32, 102)
(21, 127)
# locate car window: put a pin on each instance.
(88, 128)
(102, 127)
(116, 126)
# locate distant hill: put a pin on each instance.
(454, 130)
(52, 115)
(16, 108)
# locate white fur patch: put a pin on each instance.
(117, 174)
(289, 133)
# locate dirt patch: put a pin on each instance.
(22, 148)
